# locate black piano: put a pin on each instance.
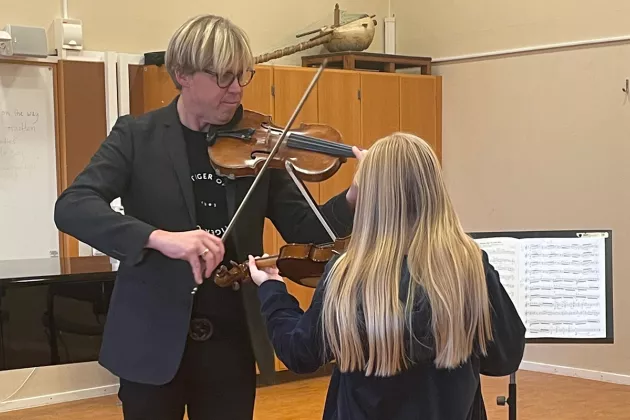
(52, 310)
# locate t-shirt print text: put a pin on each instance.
(206, 176)
(217, 232)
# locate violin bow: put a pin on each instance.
(275, 148)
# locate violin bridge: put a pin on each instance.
(307, 196)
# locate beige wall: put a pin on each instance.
(541, 142)
(440, 28)
(142, 26)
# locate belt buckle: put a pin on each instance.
(201, 329)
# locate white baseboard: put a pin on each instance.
(101, 391)
(61, 397)
(594, 375)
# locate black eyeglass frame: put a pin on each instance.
(234, 76)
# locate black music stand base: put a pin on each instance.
(511, 399)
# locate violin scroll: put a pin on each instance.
(226, 277)
(239, 273)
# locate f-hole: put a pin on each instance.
(259, 152)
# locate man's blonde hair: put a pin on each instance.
(208, 42)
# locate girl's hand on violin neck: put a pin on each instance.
(351, 195)
(260, 276)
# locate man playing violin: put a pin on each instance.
(176, 341)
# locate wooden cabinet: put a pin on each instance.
(339, 106)
(159, 91)
(363, 106)
(421, 108)
(380, 106)
(257, 95)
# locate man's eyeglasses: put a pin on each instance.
(226, 79)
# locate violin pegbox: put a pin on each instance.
(238, 273)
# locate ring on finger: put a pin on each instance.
(205, 251)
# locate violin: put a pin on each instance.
(303, 264)
(315, 150)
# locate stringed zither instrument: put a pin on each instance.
(351, 32)
(303, 264)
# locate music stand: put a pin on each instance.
(565, 253)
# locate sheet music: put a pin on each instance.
(564, 287)
(558, 285)
(503, 254)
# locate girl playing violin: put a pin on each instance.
(412, 313)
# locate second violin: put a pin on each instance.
(303, 264)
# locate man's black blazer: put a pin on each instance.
(143, 161)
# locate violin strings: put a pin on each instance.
(319, 145)
(315, 140)
(315, 144)
(321, 149)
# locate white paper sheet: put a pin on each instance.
(557, 284)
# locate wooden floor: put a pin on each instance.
(540, 397)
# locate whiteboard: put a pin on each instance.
(28, 169)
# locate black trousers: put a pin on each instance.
(216, 380)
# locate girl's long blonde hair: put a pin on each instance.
(403, 209)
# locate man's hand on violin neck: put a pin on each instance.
(202, 250)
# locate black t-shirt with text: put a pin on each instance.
(209, 189)
(212, 216)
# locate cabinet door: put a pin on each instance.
(421, 108)
(339, 106)
(290, 84)
(380, 106)
(257, 97)
(257, 94)
(158, 88)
